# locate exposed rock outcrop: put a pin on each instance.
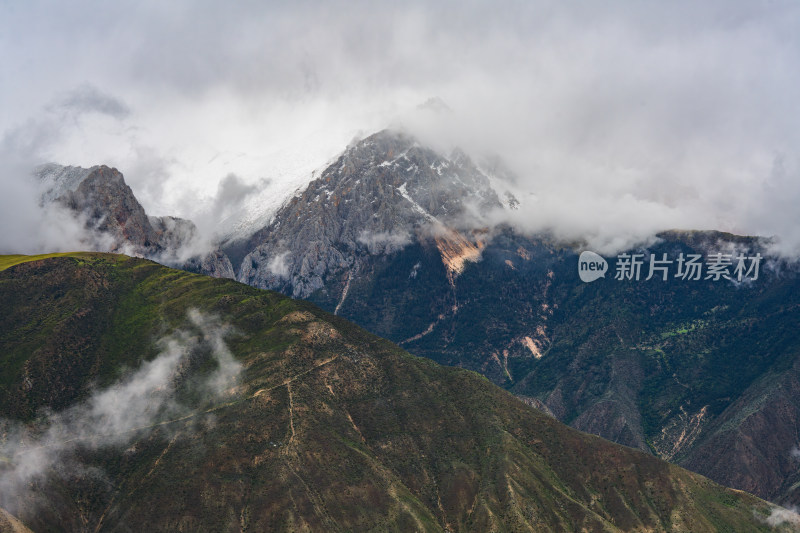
(381, 194)
(118, 222)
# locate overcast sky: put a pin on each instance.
(621, 118)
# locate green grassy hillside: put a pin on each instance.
(328, 428)
(11, 260)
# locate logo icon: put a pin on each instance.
(591, 267)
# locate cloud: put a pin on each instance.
(779, 516)
(232, 190)
(279, 264)
(30, 228)
(618, 119)
(29, 224)
(113, 417)
(795, 453)
(226, 374)
(217, 215)
(383, 241)
(89, 99)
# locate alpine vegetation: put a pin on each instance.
(145, 398)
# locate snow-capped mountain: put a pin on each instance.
(378, 196)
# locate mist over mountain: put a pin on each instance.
(392, 228)
(380, 195)
(103, 214)
(618, 121)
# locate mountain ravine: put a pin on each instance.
(136, 397)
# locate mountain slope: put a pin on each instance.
(393, 237)
(326, 428)
(10, 524)
(689, 371)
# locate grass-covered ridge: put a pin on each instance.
(11, 260)
(329, 429)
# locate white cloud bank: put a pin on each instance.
(620, 119)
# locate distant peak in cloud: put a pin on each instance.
(435, 105)
(87, 98)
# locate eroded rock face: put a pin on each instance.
(380, 195)
(110, 207)
(120, 224)
(215, 264)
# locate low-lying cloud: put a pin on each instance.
(378, 242)
(279, 264)
(89, 99)
(119, 414)
(780, 516)
(30, 227)
(216, 216)
(29, 224)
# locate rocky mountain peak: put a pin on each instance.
(101, 197)
(434, 105)
(380, 194)
(58, 180)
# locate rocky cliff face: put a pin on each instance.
(113, 214)
(753, 444)
(110, 207)
(380, 195)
